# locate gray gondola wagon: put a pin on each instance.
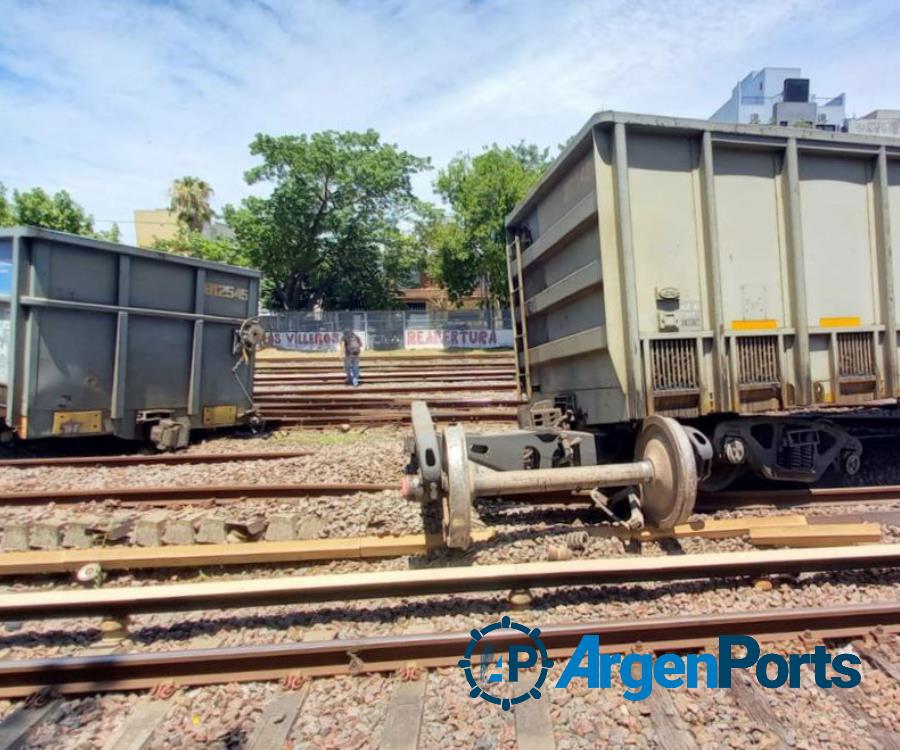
(98, 338)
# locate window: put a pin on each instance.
(416, 306)
(754, 119)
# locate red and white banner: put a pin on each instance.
(439, 338)
(306, 341)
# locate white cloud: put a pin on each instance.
(114, 100)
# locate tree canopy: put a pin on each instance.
(469, 244)
(335, 221)
(190, 197)
(329, 231)
(6, 213)
(36, 207)
(197, 245)
(58, 211)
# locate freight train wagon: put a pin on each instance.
(99, 338)
(706, 298)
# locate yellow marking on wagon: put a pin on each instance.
(840, 322)
(765, 324)
(77, 422)
(219, 415)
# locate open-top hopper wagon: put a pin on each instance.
(692, 301)
(98, 338)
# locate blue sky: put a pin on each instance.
(111, 100)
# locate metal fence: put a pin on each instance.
(386, 329)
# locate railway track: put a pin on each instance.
(153, 460)
(781, 530)
(406, 658)
(710, 502)
(787, 531)
(313, 393)
(301, 360)
(707, 503)
(336, 374)
(181, 597)
(132, 671)
(201, 493)
(384, 417)
(803, 498)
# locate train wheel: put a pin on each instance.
(669, 498)
(459, 492)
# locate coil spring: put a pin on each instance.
(798, 457)
(576, 540)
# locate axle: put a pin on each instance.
(566, 478)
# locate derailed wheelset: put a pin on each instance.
(454, 469)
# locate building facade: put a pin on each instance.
(877, 122)
(162, 224)
(781, 96)
(154, 224)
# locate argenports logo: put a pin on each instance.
(519, 658)
(527, 666)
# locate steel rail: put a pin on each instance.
(312, 398)
(476, 360)
(333, 381)
(194, 493)
(336, 372)
(162, 458)
(340, 588)
(342, 409)
(94, 674)
(389, 418)
(389, 387)
(295, 401)
(489, 382)
(707, 502)
(812, 496)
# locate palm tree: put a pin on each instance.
(190, 202)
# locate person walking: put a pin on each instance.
(351, 346)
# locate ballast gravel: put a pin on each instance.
(351, 711)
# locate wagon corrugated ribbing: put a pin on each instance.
(101, 338)
(688, 267)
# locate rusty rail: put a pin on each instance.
(162, 458)
(192, 494)
(93, 674)
(312, 394)
(812, 496)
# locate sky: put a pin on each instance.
(113, 99)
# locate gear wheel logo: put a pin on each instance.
(536, 651)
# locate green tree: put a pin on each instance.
(469, 245)
(113, 234)
(38, 208)
(6, 214)
(190, 198)
(330, 229)
(197, 245)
